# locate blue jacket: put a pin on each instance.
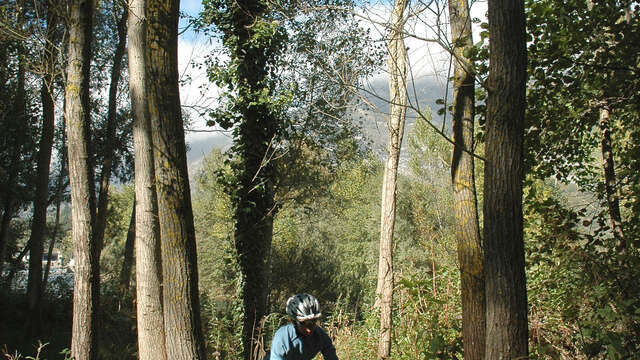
(288, 344)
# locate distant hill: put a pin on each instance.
(201, 144)
(426, 90)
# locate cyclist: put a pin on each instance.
(303, 338)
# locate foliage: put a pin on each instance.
(427, 321)
(310, 73)
(118, 219)
(582, 305)
(303, 235)
(344, 223)
(105, 42)
(328, 246)
(219, 274)
(19, 109)
(586, 304)
(576, 67)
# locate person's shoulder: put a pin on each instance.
(287, 330)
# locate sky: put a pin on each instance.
(196, 93)
(191, 6)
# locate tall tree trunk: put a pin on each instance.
(151, 334)
(17, 118)
(60, 186)
(127, 262)
(84, 339)
(16, 262)
(470, 257)
(610, 183)
(107, 162)
(183, 331)
(397, 66)
(52, 244)
(7, 215)
(41, 197)
(253, 235)
(506, 296)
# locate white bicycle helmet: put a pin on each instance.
(303, 307)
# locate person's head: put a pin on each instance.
(304, 311)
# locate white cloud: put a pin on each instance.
(197, 93)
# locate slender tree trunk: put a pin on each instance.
(16, 262)
(52, 244)
(41, 197)
(16, 118)
(107, 163)
(470, 257)
(183, 331)
(60, 187)
(4, 73)
(151, 334)
(84, 339)
(506, 296)
(7, 215)
(127, 262)
(610, 183)
(397, 67)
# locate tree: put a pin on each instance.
(283, 101)
(17, 139)
(584, 70)
(253, 42)
(150, 319)
(470, 257)
(506, 297)
(110, 133)
(127, 258)
(41, 196)
(582, 117)
(85, 250)
(396, 65)
(181, 306)
(60, 187)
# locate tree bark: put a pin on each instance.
(183, 331)
(470, 257)
(7, 215)
(84, 339)
(506, 297)
(107, 162)
(127, 262)
(396, 64)
(610, 182)
(150, 319)
(41, 197)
